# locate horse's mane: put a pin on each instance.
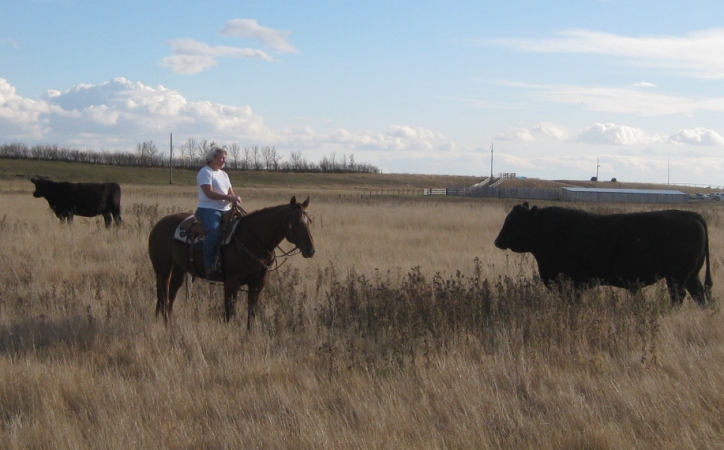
(260, 212)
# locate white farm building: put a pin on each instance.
(573, 194)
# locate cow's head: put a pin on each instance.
(42, 186)
(518, 230)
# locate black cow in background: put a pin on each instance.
(80, 199)
(623, 250)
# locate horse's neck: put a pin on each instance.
(267, 226)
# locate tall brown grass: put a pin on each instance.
(408, 329)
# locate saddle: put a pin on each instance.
(191, 232)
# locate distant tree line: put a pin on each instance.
(190, 155)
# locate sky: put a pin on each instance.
(625, 89)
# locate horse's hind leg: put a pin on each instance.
(167, 286)
(177, 279)
(162, 282)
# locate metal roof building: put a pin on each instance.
(573, 194)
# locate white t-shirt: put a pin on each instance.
(219, 182)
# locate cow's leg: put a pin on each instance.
(697, 290)
(108, 219)
(677, 292)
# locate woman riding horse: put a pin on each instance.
(246, 259)
(216, 197)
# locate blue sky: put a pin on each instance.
(408, 86)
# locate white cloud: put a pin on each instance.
(397, 138)
(609, 133)
(118, 114)
(697, 136)
(515, 134)
(20, 116)
(645, 85)
(538, 133)
(249, 28)
(191, 57)
(692, 54)
(620, 100)
(550, 131)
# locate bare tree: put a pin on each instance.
(146, 149)
(188, 152)
(271, 158)
(297, 162)
(234, 149)
(201, 149)
(146, 153)
(256, 158)
(246, 160)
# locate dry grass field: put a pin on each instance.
(408, 329)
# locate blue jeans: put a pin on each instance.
(211, 220)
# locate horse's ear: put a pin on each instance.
(293, 202)
(305, 204)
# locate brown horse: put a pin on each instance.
(246, 260)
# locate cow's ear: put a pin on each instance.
(525, 205)
(534, 210)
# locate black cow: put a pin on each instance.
(81, 199)
(622, 250)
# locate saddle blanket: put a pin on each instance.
(189, 229)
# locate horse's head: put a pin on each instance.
(298, 231)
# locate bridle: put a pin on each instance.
(274, 265)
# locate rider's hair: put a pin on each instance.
(213, 153)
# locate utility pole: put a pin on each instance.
(491, 161)
(597, 166)
(170, 161)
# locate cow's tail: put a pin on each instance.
(708, 283)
